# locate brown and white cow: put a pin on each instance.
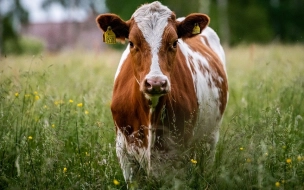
(170, 88)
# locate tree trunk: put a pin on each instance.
(204, 6)
(222, 8)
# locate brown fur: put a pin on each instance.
(216, 66)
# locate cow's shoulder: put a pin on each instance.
(213, 41)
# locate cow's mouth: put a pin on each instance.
(153, 100)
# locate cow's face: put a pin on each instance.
(153, 33)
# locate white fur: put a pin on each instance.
(214, 42)
(151, 139)
(209, 117)
(152, 24)
(122, 60)
(128, 155)
(124, 158)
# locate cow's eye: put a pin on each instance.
(131, 44)
(174, 45)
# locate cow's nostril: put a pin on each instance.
(148, 84)
(164, 84)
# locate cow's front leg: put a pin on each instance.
(128, 163)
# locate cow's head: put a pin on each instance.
(153, 33)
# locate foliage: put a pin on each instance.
(26, 45)
(249, 21)
(178, 6)
(261, 21)
(9, 22)
(56, 130)
(88, 5)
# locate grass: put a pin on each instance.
(56, 130)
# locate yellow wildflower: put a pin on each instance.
(65, 170)
(277, 184)
(116, 182)
(288, 161)
(71, 101)
(79, 105)
(16, 94)
(53, 125)
(248, 160)
(35, 92)
(57, 102)
(30, 137)
(241, 148)
(86, 112)
(37, 97)
(299, 158)
(193, 161)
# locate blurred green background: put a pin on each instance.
(236, 22)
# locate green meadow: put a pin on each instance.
(56, 130)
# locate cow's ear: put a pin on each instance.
(192, 25)
(119, 27)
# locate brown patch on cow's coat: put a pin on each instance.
(180, 106)
(129, 120)
(217, 71)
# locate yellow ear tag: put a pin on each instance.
(109, 36)
(196, 29)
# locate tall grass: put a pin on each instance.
(262, 137)
(56, 130)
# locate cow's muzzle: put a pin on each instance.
(156, 85)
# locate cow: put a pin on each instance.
(170, 89)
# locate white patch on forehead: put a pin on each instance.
(152, 19)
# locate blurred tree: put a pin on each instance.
(286, 17)
(223, 20)
(249, 21)
(11, 17)
(246, 21)
(260, 21)
(94, 6)
(125, 10)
